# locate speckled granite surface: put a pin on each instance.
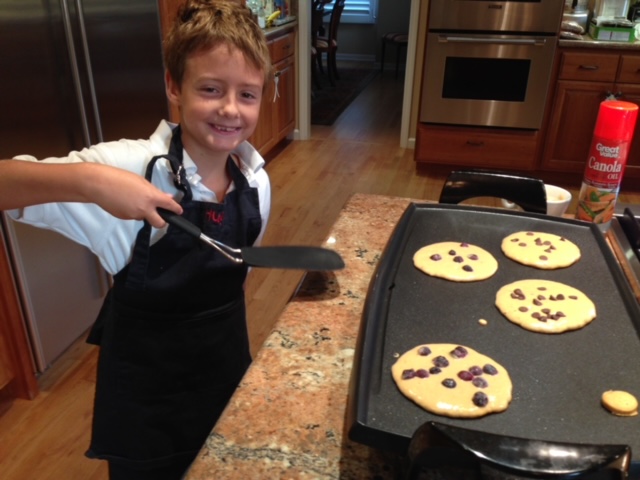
(588, 42)
(287, 419)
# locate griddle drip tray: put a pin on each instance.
(468, 454)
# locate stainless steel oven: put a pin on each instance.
(488, 63)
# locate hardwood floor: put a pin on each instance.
(45, 438)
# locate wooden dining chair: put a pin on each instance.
(329, 44)
(317, 14)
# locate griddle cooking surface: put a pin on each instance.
(557, 379)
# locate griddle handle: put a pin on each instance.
(631, 227)
(527, 192)
(180, 222)
(486, 455)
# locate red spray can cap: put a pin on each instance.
(616, 120)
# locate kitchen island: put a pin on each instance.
(287, 418)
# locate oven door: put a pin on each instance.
(539, 16)
(486, 80)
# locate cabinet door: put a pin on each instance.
(6, 372)
(631, 93)
(285, 108)
(574, 114)
(262, 137)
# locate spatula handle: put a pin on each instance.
(180, 222)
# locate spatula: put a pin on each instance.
(287, 257)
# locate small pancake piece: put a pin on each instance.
(620, 403)
(455, 261)
(452, 380)
(545, 306)
(540, 250)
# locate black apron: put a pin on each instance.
(172, 331)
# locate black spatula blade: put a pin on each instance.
(293, 257)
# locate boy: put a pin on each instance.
(172, 330)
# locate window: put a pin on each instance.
(358, 11)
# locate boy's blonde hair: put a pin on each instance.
(204, 24)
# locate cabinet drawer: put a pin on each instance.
(476, 147)
(629, 69)
(282, 47)
(591, 67)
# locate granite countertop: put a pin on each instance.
(277, 30)
(588, 42)
(287, 418)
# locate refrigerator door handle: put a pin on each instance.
(87, 58)
(75, 72)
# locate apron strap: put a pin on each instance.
(140, 257)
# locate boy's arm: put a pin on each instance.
(121, 193)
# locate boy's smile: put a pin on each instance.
(219, 102)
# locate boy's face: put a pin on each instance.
(219, 101)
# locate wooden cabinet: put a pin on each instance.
(277, 112)
(585, 79)
(17, 377)
(476, 147)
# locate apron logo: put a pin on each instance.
(215, 217)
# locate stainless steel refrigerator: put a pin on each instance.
(72, 73)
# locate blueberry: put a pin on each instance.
(473, 256)
(480, 399)
(449, 383)
(479, 382)
(424, 351)
(452, 252)
(465, 375)
(468, 268)
(435, 257)
(434, 370)
(517, 294)
(458, 259)
(475, 370)
(440, 361)
(408, 374)
(459, 352)
(422, 373)
(489, 369)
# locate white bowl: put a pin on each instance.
(558, 200)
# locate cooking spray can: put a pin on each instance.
(606, 162)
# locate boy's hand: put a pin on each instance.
(129, 196)
(121, 193)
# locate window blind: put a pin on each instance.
(358, 11)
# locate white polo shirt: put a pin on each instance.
(111, 238)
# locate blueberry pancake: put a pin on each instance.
(456, 261)
(545, 306)
(540, 250)
(452, 380)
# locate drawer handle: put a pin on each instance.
(588, 67)
(475, 143)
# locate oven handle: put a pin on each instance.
(538, 42)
